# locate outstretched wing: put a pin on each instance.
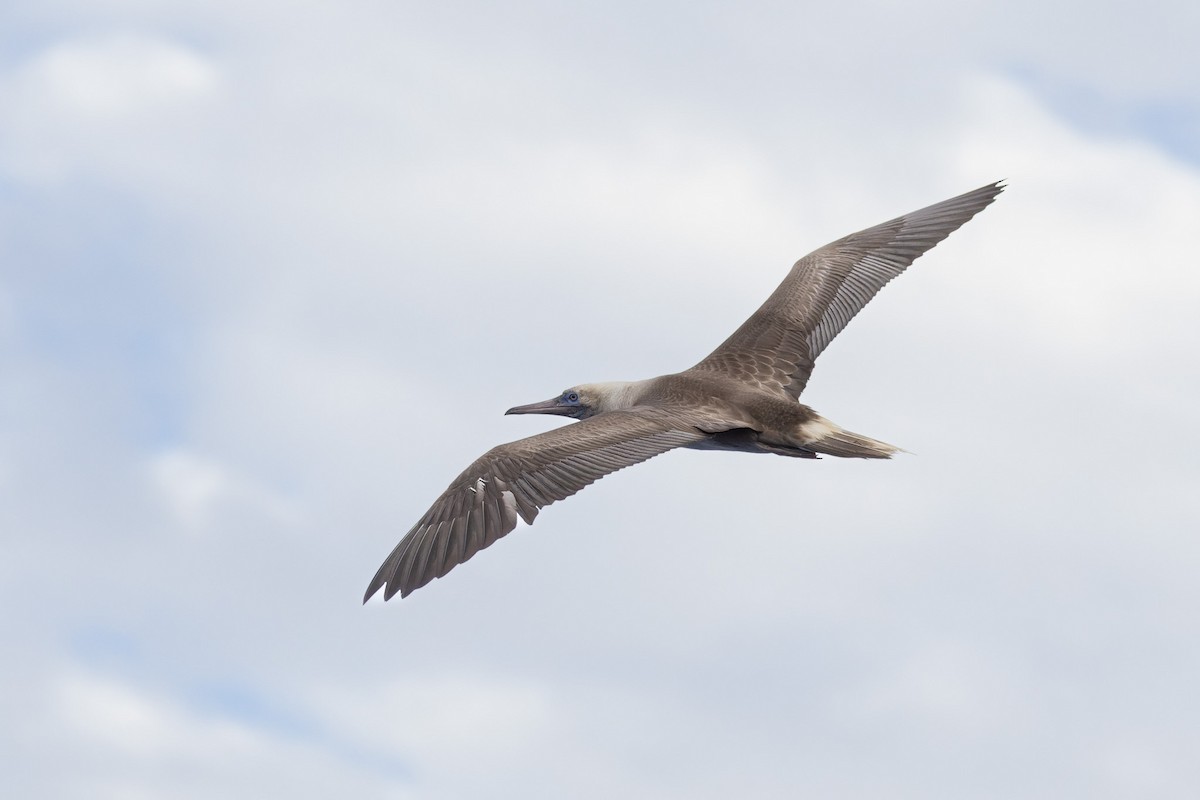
(519, 479)
(777, 345)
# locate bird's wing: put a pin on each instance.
(519, 479)
(777, 345)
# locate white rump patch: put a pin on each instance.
(817, 429)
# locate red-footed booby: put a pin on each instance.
(743, 396)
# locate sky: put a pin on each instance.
(271, 273)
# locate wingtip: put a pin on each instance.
(377, 583)
(991, 189)
(371, 590)
(975, 200)
(389, 591)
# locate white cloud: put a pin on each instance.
(1102, 265)
(191, 485)
(128, 741)
(133, 723)
(196, 488)
(438, 721)
(99, 102)
(955, 685)
(115, 76)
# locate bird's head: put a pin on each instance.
(583, 401)
(574, 402)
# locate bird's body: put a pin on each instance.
(742, 397)
(735, 414)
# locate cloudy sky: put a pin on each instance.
(271, 272)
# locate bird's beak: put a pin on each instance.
(551, 406)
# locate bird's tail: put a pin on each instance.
(833, 440)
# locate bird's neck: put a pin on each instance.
(616, 395)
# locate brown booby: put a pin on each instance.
(743, 396)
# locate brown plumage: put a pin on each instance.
(741, 397)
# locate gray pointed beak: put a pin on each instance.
(551, 406)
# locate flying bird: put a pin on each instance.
(742, 397)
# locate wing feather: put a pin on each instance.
(474, 511)
(777, 346)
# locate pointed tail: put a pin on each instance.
(833, 440)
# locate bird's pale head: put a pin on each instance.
(583, 401)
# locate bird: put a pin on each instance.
(742, 397)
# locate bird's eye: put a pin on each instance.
(571, 397)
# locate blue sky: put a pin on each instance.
(269, 276)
